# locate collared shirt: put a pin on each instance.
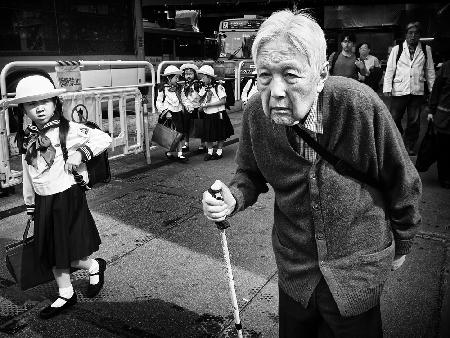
(314, 124)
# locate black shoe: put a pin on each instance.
(217, 156)
(185, 149)
(182, 159)
(169, 155)
(49, 312)
(201, 149)
(94, 289)
(209, 157)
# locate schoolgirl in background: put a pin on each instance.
(190, 99)
(250, 88)
(64, 230)
(217, 124)
(169, 106)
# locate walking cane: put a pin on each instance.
(216, 192)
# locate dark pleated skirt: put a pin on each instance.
(217, 127)
(197, 124)
(181, 121)
(64, 229)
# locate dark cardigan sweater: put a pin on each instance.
(326, 224)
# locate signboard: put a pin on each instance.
(242, 24)
(69, 75)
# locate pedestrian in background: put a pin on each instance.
(250, 88)
(217, 124)
(335, 238)
(169, 106)
(409, 66)
(190, 99)
(373, 67)
(439, 112)
(64, 230)
(345, 63)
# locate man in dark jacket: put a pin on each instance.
(335, 238)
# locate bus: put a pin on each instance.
(74, 30)
(236, 38)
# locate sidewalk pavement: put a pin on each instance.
(165, 275)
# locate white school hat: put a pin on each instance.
(207, 70)
(171, 70)
(189, 66)
(35, 88)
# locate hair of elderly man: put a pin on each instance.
(300, 30)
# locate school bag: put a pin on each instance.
(98, 167)
(333, 62)
(230, 100)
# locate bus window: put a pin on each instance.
(236, 37)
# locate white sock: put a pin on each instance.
(63, 292)
(219, 151)
(180, 154)
(210, 151)
(94, 269)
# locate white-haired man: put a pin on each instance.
(335, 238)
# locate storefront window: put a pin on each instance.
(74, 27)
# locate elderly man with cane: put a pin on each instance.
(346, 193)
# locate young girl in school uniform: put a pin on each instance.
(64, 230)
(217, 124)
(190, 99)
(169, 106)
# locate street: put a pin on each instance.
(165, 275)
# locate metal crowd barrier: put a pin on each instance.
(145, 122)
(238, 77)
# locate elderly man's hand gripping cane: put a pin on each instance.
(218, 202)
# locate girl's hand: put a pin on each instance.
(73, 162)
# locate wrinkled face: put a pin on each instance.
(288, 85)
(364, 51)
(347, 45)
(412, 36)
(189, 74)
(40, 112)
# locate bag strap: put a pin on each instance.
(333, 61)
(27, 228)
(340, 165)
(78, 177)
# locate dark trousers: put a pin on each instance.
(443, 160)
(412, 105)
(322, 318)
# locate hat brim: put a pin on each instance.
(212, 75)
(172, 73)
(189, 66)
(37, 97)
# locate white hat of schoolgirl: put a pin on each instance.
(207, 70)
(188, 66)
(35, 88)
(171, 70)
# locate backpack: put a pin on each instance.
(98, 167)
(399, 53)
(333, 62)
(230, 100)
